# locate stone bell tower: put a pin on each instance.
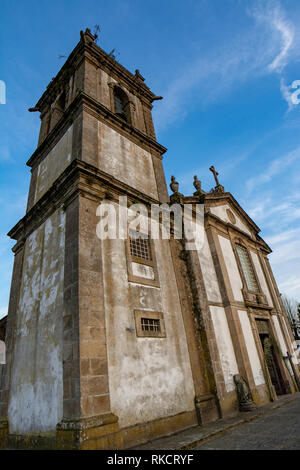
(97, 350)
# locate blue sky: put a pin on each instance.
(224, 68)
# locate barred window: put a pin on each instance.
(150, 324)
(139, 246)
(247, 268)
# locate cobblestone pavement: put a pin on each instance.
(279, 430)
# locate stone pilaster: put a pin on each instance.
(149, 122)
(32, 188)
(206, 401)
(231, 311)
(160, 178)
(87, 418)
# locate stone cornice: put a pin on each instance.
(78, 178)
(90, 105)
(258, 307)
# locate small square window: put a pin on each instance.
(149, 324)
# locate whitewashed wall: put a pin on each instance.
(36, 391)
(149, 378)
(257, 371)
(54, 164)
(125, 161)
(225, 346)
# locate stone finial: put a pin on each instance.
(139, 76)
(197, 184)
(246, 402)
(200, 194)
(174, 185)
(176, 197)
(87, 37)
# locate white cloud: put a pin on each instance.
(283, 236)
(255, 52)
(287, 35)
(283, 31)
(272, 15)
(291, 287)
(276, 167)
(276, 208)
(285, 259)
(286, 251)
(276, 219)
(209, 78)
(265, 47)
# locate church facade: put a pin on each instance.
(110, 343)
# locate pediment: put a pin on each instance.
(227, 213)
(226, 208)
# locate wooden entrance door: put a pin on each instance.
(272, 364)
(271, 357)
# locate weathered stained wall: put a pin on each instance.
(225, 346)
(125, 161)
(36, 393)
(149, 378)
(54, 164)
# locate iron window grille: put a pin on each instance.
(150, 324)
(139, 246)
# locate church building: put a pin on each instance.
(114, 342)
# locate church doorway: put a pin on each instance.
(271, 357)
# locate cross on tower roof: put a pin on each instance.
(216, 174)
(219, 188)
